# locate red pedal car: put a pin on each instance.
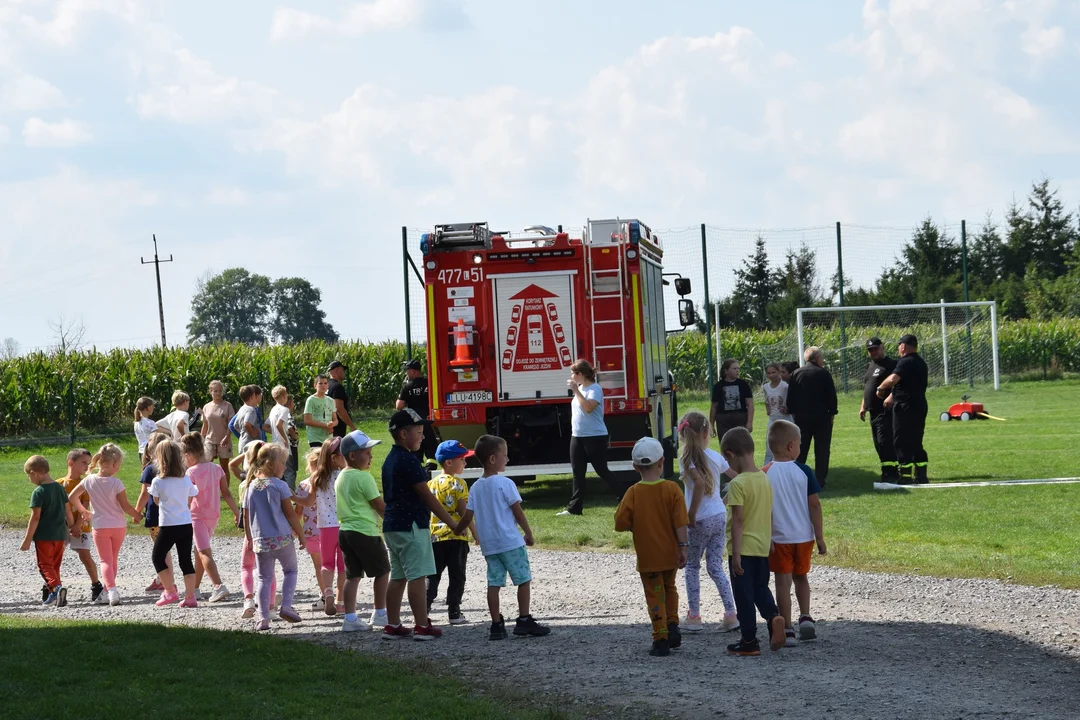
(964, 411)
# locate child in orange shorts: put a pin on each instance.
(796, 525)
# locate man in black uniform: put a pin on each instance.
(414, 395)
(880, 367)
(904, 391)
(337, 391)
(811, 400)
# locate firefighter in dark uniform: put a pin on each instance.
(904, 391)
(880, 367)
(414, 395)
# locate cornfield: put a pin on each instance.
(34, 390)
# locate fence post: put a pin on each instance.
(708, 318)
(719, 344)
(944, 343)
(405, 281)
(967, 310)
(71, 410)
(843, 320)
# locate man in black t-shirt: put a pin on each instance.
(881, 428)
(414, 396)
(811, 400)
(904, 391)
(337, 391)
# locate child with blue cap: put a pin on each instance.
(451, 551)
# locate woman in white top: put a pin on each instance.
(700, 469)
(775, 391)
(588, 435)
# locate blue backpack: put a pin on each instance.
(236, 429)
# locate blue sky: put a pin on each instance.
(298, 138)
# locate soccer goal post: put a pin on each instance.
(958, 340)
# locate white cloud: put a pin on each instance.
(362, 18)
(1042, 42)
(27, 93)
(68, 18)
(66, 133)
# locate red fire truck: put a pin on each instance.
(508, 315)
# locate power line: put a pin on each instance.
(157, 271)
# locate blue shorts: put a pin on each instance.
(514, 563)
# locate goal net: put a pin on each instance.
(958, 341)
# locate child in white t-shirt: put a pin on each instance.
(177, 422)
(775, 391)
(701, 470)
(496, 504)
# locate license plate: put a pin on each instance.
(472, 396)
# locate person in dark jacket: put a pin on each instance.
(904, 392)
(812, 402)
(881, 428)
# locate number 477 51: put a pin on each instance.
(451, 276)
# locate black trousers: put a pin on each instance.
(450, 555)
(429, 445)
(909, 425)
(819, 429)
(168, 537)
(585, 450)
(881, 428)
(751, 590)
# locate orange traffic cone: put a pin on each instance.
(461, 346)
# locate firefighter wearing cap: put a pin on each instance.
(881, 427)
(904, 392)
(414, 395)
(337, 391)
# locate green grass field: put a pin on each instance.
(220, 674)
(1026, 534)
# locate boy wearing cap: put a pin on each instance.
(654, 510)
(359, 507)
(406, 523)
(451, 551)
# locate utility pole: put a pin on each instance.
(157, 271)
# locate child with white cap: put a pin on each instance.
(654, 510)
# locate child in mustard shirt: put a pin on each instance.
(654, 510)
(749, 527)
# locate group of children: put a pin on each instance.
(733, 400)
(405, 534)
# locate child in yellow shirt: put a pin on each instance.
(451, 551)
(654, 510)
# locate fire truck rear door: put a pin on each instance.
(535, 333)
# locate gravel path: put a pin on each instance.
(890, 646)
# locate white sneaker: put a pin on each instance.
(789, 638)
(378, 618)
(114, 596)
(691, 623)
(731, 622)
(564, 513)
(249, 609)
(317, 605)
(356, 625)
(220, 593)
(102, 598)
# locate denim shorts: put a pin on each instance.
(514, 563)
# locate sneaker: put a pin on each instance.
(289, 615)
(430, 632)
(660, 648)
(277, 602)
(220, 593)
(356, 625)
(807, 630)
(102, 598)
(498, 629)
(262, 625)
(744, 648)
(167, 598)
(96, 591)
(692, 623)
(114, 596)
(190, 602)
(318, 604)
(249, 609)
(61, 596)
(527, 625)
(731, 622)
(674, 636)
(789, 638)
(50, 599)
(329, 607)
(456, 618)
(45, 592)
(378, 618)
(396, 633)
(155, 586)
(340, 608)
(565, 513)
(776, 633)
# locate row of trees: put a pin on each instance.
(1030, 266)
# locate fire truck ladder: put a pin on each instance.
(607, 284)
